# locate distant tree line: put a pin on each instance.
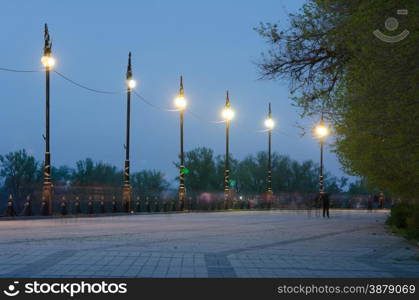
(21, 174)
(249, 175)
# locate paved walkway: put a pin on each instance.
(224, 244)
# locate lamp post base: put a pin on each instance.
(269, 195)
(226, 199)
(126, 197)
(182, 199)
(47, 196)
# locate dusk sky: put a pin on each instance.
(211, 43)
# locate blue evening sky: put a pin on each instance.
(211, 43)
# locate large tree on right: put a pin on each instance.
(357, 63)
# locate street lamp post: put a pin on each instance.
(269, 123)
(126, 188)
(228, 115)
(321, 132)
(321, 179)
(48, 61)
(180, 103)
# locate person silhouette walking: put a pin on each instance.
(326, 203)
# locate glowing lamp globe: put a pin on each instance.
(321, 130)
(48, 61)
(269, 123)
(131, 83)
(180, 102)
(228, 114)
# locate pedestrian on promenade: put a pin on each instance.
(326, 203)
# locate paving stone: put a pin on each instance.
(227, 244)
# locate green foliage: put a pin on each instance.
(21, 174)
(89, 173)
(379, 132)
(61, 175)
(250, 174)
(149, 183)
(398, 215)
(405, 217)
(335, 185)
(19, 171)
(412, 222)
(201, 165)
(311, 53)
(365, 87)
(361, 187)
(218, 180)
